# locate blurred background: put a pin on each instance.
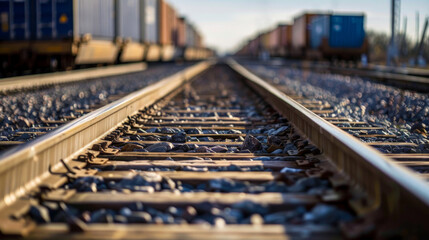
(228, 25)
(51, 35)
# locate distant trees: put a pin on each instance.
(378, 43)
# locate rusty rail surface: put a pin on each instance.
(396, 190)
(22, 82)
(30, 161)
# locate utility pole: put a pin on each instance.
(403, 46)
(392, 50)
(417, 27)
(422, 41)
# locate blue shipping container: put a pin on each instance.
(342, 31)
(149, 12)
(346, 31)
(55, 19)
(128, 19)
(15, 20)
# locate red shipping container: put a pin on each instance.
(285, 35)
(274, 38)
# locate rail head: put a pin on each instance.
(396, 189)
(22, 168)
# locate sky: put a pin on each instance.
(226, 24)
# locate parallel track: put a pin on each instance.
(394, 192)
(372, 135)
(40, 80)
(42, 92)
(398, 78)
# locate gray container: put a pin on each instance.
(149, 21)
(190, 35)
(96, 17)
(128, 19)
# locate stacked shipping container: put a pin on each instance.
(65, 19)
(128, 11)
(15, 20)
(167, 23)
(149, 21)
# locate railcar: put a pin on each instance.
(339, 36)
(65, 33)
(313, 35)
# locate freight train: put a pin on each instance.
(66, 33)
(313, 35)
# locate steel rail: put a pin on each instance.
(22, 168)
(394, 78)
(415, 83)
(410, 71)
(38, 80)
(395, 190)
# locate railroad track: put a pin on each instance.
(222, 156)
(41, 80)
(401, 79)
(407, 153)
(16, 84)
(38, 104)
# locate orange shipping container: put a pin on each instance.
(168, 24)
(265, 40)
(199, 40)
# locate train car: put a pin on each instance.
(254, 47)
(129, 35)
(339, 36)
(285, 41)
(168, 26)
(313, 35)
(273, 42)
(67, 32)
(180, 38)
(301, 34)
(40, 34)
(150, 23)
(15, 33)
(264, 48)
(191, 51)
